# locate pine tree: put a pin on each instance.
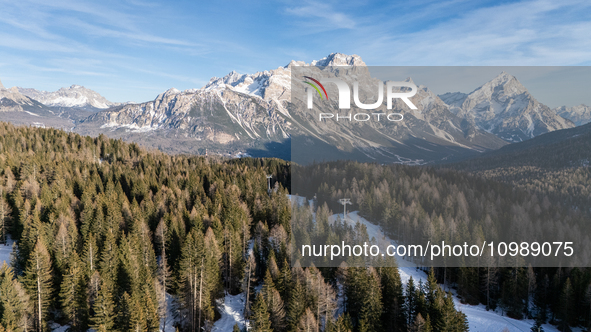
(38, 281)
(284, 282)
(66, 237)
(307, 322)
(5, 212)
(14, 302)
(274, 303)
(392, 294)
(342, 324)
(297, 306)
(90, 255)
(109, 262)
(150, 305)
(260, 315)
(420, 325)
(371, 310)
(410, 304)
(364, 298)
(192, 279)
(248, 282)
(73, 295)
(104, 307)
(137, 317)
(537, 327)
(566, 306)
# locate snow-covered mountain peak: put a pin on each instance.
(339, 59)
(295, 63)
(268, 84)
(503, 106)
(73, 96)
(276, 83)
(503, 85)
(1, 86)
(172, 91)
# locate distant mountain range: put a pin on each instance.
(580, 114)
(254, 115)
(74, 96)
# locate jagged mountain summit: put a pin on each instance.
(580, 114)
(504, 107)
(73, 96)
(233, 111)
(254, 113)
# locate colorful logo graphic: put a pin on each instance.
(315, 87)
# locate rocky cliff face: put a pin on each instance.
(504, 107)
(220, 115)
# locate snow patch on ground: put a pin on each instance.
(169, 316)
(231, 308)
(55, 327)
(6, 251)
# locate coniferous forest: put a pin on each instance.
(112, 237)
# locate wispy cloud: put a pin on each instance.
(528, 33)
(321, 16)
(123, 44)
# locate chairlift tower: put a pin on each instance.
(345, 201)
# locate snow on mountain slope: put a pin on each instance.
(580, 114)
(216, 114)
(454, 100)
(74, 96)
(504, 107)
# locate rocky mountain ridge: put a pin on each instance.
(504, 107)
(256, 114)
(73, 96)
(249, 111)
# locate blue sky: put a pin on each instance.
(136, 49)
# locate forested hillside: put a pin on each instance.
(555, 164)
(416, 204)
(115, 238)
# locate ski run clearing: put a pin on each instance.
(479, 319)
